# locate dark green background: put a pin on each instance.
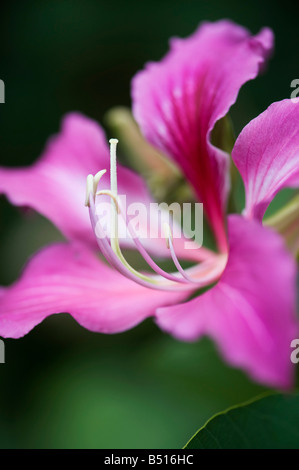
(63, 386)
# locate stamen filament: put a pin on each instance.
(169, 243)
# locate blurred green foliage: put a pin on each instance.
(63, 386)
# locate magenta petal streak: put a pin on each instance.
(178, 101)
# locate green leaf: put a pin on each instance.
(271, 422)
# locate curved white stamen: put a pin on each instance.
(111, 249)
(92, 182)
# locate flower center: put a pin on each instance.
(201, 275)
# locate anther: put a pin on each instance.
(167, 234)
(92, 182)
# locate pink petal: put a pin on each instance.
(69, 278)
(55, 184)
(250, 313)
(178, 101)
(267, 155)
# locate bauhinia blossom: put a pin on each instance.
(249, 309)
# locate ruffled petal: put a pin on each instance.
(70, 278)
(178, 101)
(55, 184)
(250, 313)
(267, 155)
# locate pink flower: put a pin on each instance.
(250, 312)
